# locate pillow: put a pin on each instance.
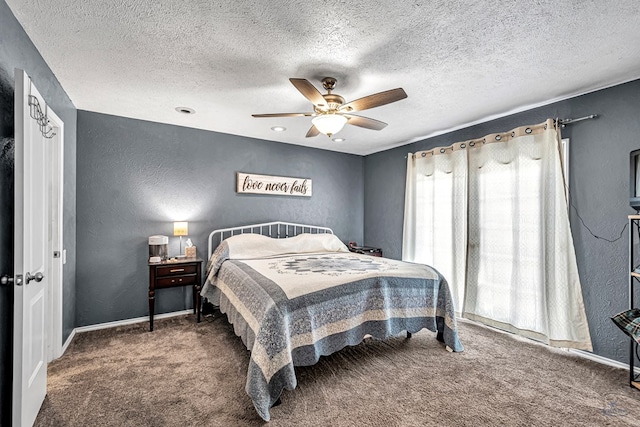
(629, 322)
(250, 246)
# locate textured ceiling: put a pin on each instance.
(460, 62)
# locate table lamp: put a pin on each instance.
(180, 228)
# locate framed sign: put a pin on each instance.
(275, 185)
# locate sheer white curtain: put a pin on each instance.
(506, 247)
(435, 211)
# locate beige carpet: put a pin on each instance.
(188, 374)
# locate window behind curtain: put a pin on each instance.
(491, 216)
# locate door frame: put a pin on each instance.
(56, 254)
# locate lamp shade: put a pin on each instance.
(180, 228)
(329, 124)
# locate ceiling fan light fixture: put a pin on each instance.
(329, 124)
(330, 113)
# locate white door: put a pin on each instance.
(31, 239)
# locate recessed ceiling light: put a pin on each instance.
(278, 128)
(339, 139)
(185, 110)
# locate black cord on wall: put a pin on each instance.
(587, 227)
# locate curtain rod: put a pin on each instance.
(492, 138)
(564, 122)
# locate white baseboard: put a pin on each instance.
(130, 321)
(603, 360)
(67, 342)
(116, 323)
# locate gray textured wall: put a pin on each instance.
(17, 51)
(599, 192)
(136, 177)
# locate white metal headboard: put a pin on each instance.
(277, 230)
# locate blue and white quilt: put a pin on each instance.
(293, 300)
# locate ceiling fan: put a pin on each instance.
(331, 113)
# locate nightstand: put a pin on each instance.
(366, 250)
(171, 274)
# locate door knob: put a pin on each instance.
(6, 280)
(37, 277)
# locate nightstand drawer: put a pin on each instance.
(174, 270)
(163, 282)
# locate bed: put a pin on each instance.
(295, 292)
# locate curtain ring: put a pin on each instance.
(423, 154)
(528, 130)
(442, 150)
(513, 134)
(545, 126)
(484, 140)
(498, 137)
(472, 144)
(463, 145)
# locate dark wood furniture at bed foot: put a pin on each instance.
(366, 250)
(171, 274)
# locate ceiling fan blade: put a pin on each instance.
(309, 91)
(365, 122)
(284, 115)
(375, 100)
(313, 131)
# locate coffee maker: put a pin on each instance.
(158, 248)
